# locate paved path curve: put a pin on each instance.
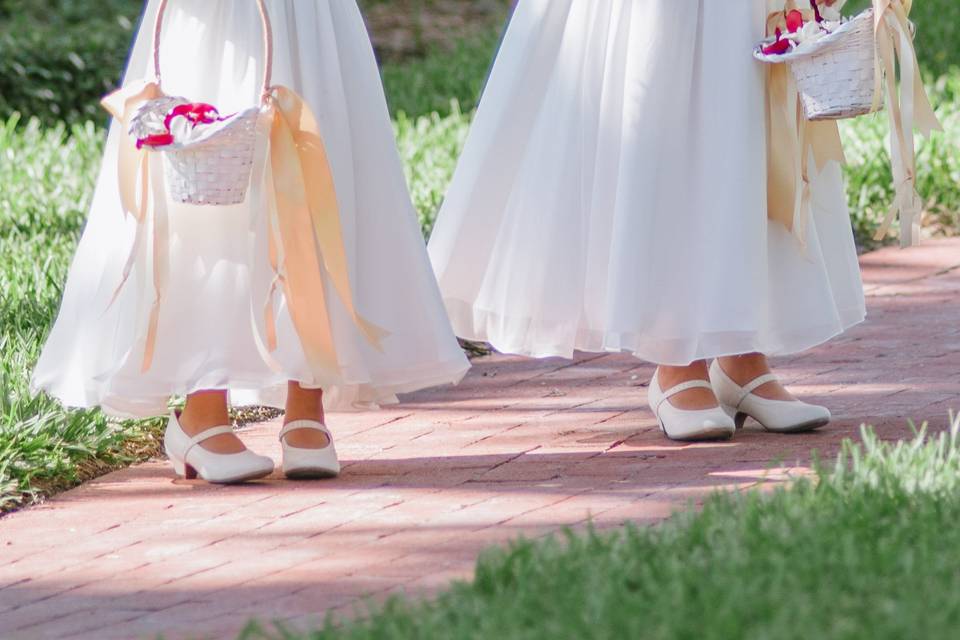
(522, 447)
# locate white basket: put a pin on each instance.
(836, 75)
(216, 169)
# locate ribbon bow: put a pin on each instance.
(305, 231)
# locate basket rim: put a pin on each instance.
(212, 130)
(814, 48)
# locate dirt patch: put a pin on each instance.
(409, 28)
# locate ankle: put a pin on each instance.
(669, 377)
(203, 410)
(746, 368)
(303, 404)
(743, 369)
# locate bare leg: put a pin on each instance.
(746, 368)
(305, 404)
(207, 409)
(693, 399)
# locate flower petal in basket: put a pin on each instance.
(839, 37)
(148, 120)
(238, 124)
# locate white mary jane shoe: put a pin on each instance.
(190, 460)
(309, 464)
(683, 424)
(778, 416)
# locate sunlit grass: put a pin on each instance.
(46, 182)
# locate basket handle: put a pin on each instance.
(267, 44)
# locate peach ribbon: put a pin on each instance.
(134, 178)
(306, 246)
(305, 235)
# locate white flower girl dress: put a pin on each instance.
(209, 336)
(612, 194)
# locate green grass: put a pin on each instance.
(47, 176)
(441, 79)
(429, 147)
(868, 549)
(938, 32)
(868, 173)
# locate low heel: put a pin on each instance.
(181, 468)
(739, 418)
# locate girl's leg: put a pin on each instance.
(305, 404)
(308, 451)
(204, 410)
(693, 399)
(746, 368)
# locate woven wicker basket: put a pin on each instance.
(836, 75)
(215, 169)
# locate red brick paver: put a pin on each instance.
(521, 447)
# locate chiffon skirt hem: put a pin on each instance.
(350, 395)
(481, 325)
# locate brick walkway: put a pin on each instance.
(521, 447)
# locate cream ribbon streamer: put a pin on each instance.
(909, 108)
(306, 246)
(792, 139)
(791, 142)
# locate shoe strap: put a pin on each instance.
(680, 388)
(203, 436)
(755, 384)
(296, 425)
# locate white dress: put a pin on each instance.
(212, 52)
(612, 194)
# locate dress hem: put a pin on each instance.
(347, 396)
(475, 324)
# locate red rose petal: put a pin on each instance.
(197, 112)
(157, 140)
(205, 113)
(179, 110)
(777, 48)
(794, 21)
